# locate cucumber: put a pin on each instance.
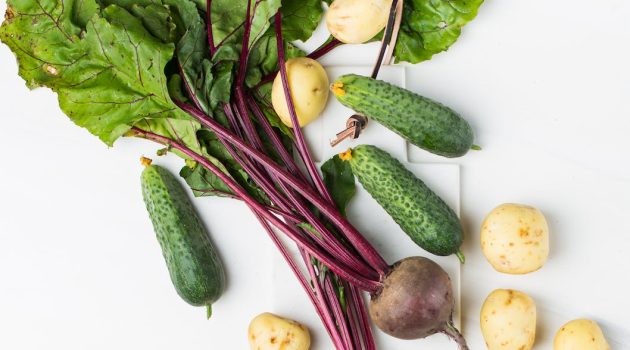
(193, 263)
(419, 212)
(421, 121)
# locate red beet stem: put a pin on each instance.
(318, 53)
(297, 130)
(209, 28)
(358, 241)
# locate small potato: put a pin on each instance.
(580, 335)
(270, 332)
(508, 320)
(515, 238)
(357, 21)
(308, 83)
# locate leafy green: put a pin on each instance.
(228, 19)
(181, 130)
(263, 58)
(158, 21)
(300, 18)
(108, 75)
(309, 228)
(205, 183)
(432, 26)
(339, 181)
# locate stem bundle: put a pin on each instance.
(340, 262)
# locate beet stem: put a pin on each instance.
(323, 314)
(359, 242)
(328, 241)
(353, 319)
(242, 69)
(275, 139)
(329, 244)
(364, 321)
(352, 260)
(329, 291)
(211, 46)
(319, 293)
(297, 130)
(318, 53)
(326, 48)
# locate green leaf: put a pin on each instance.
(176, 88)
(263, 57)
(308, 227)
(204, 183)
(181, 130)
(300, 18)
(158, 20)
(339, 181)
(108, 75)
(432, 26)
(228, 17)
(167, 20)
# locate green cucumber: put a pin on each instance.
(193, 263)
(419, 212)
(421, 121)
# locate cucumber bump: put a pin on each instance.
(193, 263)
(421, 121)
(419, 212)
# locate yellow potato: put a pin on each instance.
(270, 332)
(580, 335)
(357, 21)
(308, 83)
(515, 238)
(508, 320)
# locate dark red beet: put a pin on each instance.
(416, 301)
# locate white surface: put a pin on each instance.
(545, 85)
(368, 216)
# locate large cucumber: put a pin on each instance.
(419, 212)
(193, 263)
(423, 122)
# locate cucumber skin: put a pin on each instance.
(193, 263)
(419, 212)
(421, 121)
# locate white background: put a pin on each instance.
(546, 86)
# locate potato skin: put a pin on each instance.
(515, 238)
(270, 332)
(308, 83)
(508, 320)
(357, 21)
(581, 334)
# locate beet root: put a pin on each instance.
(416, 301)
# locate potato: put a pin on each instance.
(270, 332)
(508, 320)
(308, 83)
(515, 238)
(580, 335)
(357, 21)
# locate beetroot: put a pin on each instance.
(416, 301)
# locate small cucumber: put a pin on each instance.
(193, 263)
(419, 212)
(421, 121)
